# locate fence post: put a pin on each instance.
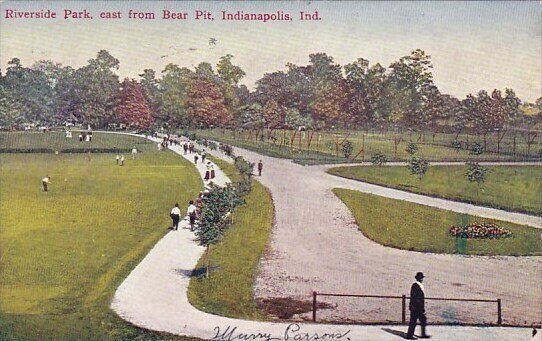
(499, 313)
(403, 301)
(314, 294)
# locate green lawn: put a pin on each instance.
(64, 253)
(409, 226)
(56, 141)
(322, 148)
(228, 290)
(513, 188)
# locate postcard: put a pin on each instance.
(270, 170)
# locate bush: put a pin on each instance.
(456, 145)
(476, 149)
(95, 150)
(25, 150)
(476, 172)
(480, 231)
(347, 149)
(212, 145)
(190, 135)
(418, 166)
(412, 148)
(227, 149)
(379, 159)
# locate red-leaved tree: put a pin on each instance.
(205, 104)
(132, 108)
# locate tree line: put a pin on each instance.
(319, 95)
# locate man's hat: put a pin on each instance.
(419, 275)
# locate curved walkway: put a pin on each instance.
(154, 296)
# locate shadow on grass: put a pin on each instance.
(196, 273)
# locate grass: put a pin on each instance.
(228, 290)
(65, 252)
(512, 188)
(56, 141)
(323, 146)
(410, 226)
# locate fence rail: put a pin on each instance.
(403, 299)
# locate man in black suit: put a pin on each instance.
(417, 308)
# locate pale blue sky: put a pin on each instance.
(474, 45)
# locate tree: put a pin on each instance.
(31, 89)
(98, 86)
(476, 173)
(205, 103)
(251, 117)
(274, 115)
(133, 109)
(174, 89)
(418, 166)
(410, 77)
(357, 108)
(152, 94)
(218, 203)
(347, 149)
(329, 90)
(10, 109)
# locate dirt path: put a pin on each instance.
(316, 246)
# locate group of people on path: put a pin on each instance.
(192, 214)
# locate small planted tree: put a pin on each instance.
(476, 149)
(456, 145)
(379, 159)
(347, 149)
(418, 166)
(412, 148)
(476, 174)
(218, 204)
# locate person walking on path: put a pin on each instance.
(117, 158)
(185, 147)
(196, 157)
(45, 182)
(175, 215)
(122, 160)
(212, 169)
(203, 156)
(192, 215)
(260, 168)
(417, 308)
(134, 153)
(207, 172)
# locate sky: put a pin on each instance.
(473, 45)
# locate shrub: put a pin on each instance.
(418, 166)
(476, 149)
(412, 148)
(227, 149)
(476, 172)
(190, 135)
(379, 159)
(347, 149)
(480, 231)
(456, 145)
(212, 145)
(25, 150)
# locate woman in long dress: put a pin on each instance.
(207, 173)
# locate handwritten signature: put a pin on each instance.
(291, 333)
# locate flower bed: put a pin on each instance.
(480, 231)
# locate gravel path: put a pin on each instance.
(154, 296)
(316, 246)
